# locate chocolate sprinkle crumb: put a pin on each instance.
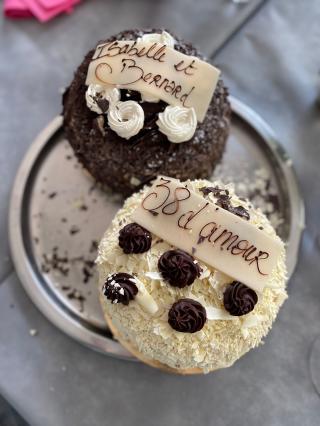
(65, 287)
(74, 230)
(94, 246)
(76, 295)
(103, 104)
(52, 195)
(55, 262)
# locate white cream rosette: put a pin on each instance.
(177, 123)
(95, 92)
(126, 118)
(163, 38)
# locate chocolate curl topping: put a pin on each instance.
(178, 268)
(120, 288)
(239, 299)
(187, 316)
(133, 238)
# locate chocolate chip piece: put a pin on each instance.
(217, 192)
(178, 268)
(187, 316)
(238, 299)
(103, 104)
(120, 288)
(133, 238)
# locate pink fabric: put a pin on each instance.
(43, 10)
(16, 9)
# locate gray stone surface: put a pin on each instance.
(273, 65)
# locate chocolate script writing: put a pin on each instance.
(134, 72)
(167, 202)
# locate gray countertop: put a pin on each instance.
(273, 65)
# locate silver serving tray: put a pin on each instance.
(57, 216)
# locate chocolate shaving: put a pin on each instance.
(224, 201)
(74, 230)
(76, 295)
(103, 104)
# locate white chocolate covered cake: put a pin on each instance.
(191, 277)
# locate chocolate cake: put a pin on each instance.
(124, 165)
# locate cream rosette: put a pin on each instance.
(177, 123)
(126, 118)
(163, 38)
(95, 94)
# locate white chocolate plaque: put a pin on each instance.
(174, 212)
(157, 70)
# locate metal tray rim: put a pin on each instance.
(39, 295)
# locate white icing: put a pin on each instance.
(126, 118)
(96, 91)
(163, 38)
(177, 123)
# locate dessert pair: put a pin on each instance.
(191, 277)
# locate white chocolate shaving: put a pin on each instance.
(177, 123)
(214, 313)
(153, 275)
(96, 92)
(145, 300)
(126, 118)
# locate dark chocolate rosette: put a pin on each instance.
(133, 238)
(178, 268)
(239, 299)
(120, 288)
(187, 316)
